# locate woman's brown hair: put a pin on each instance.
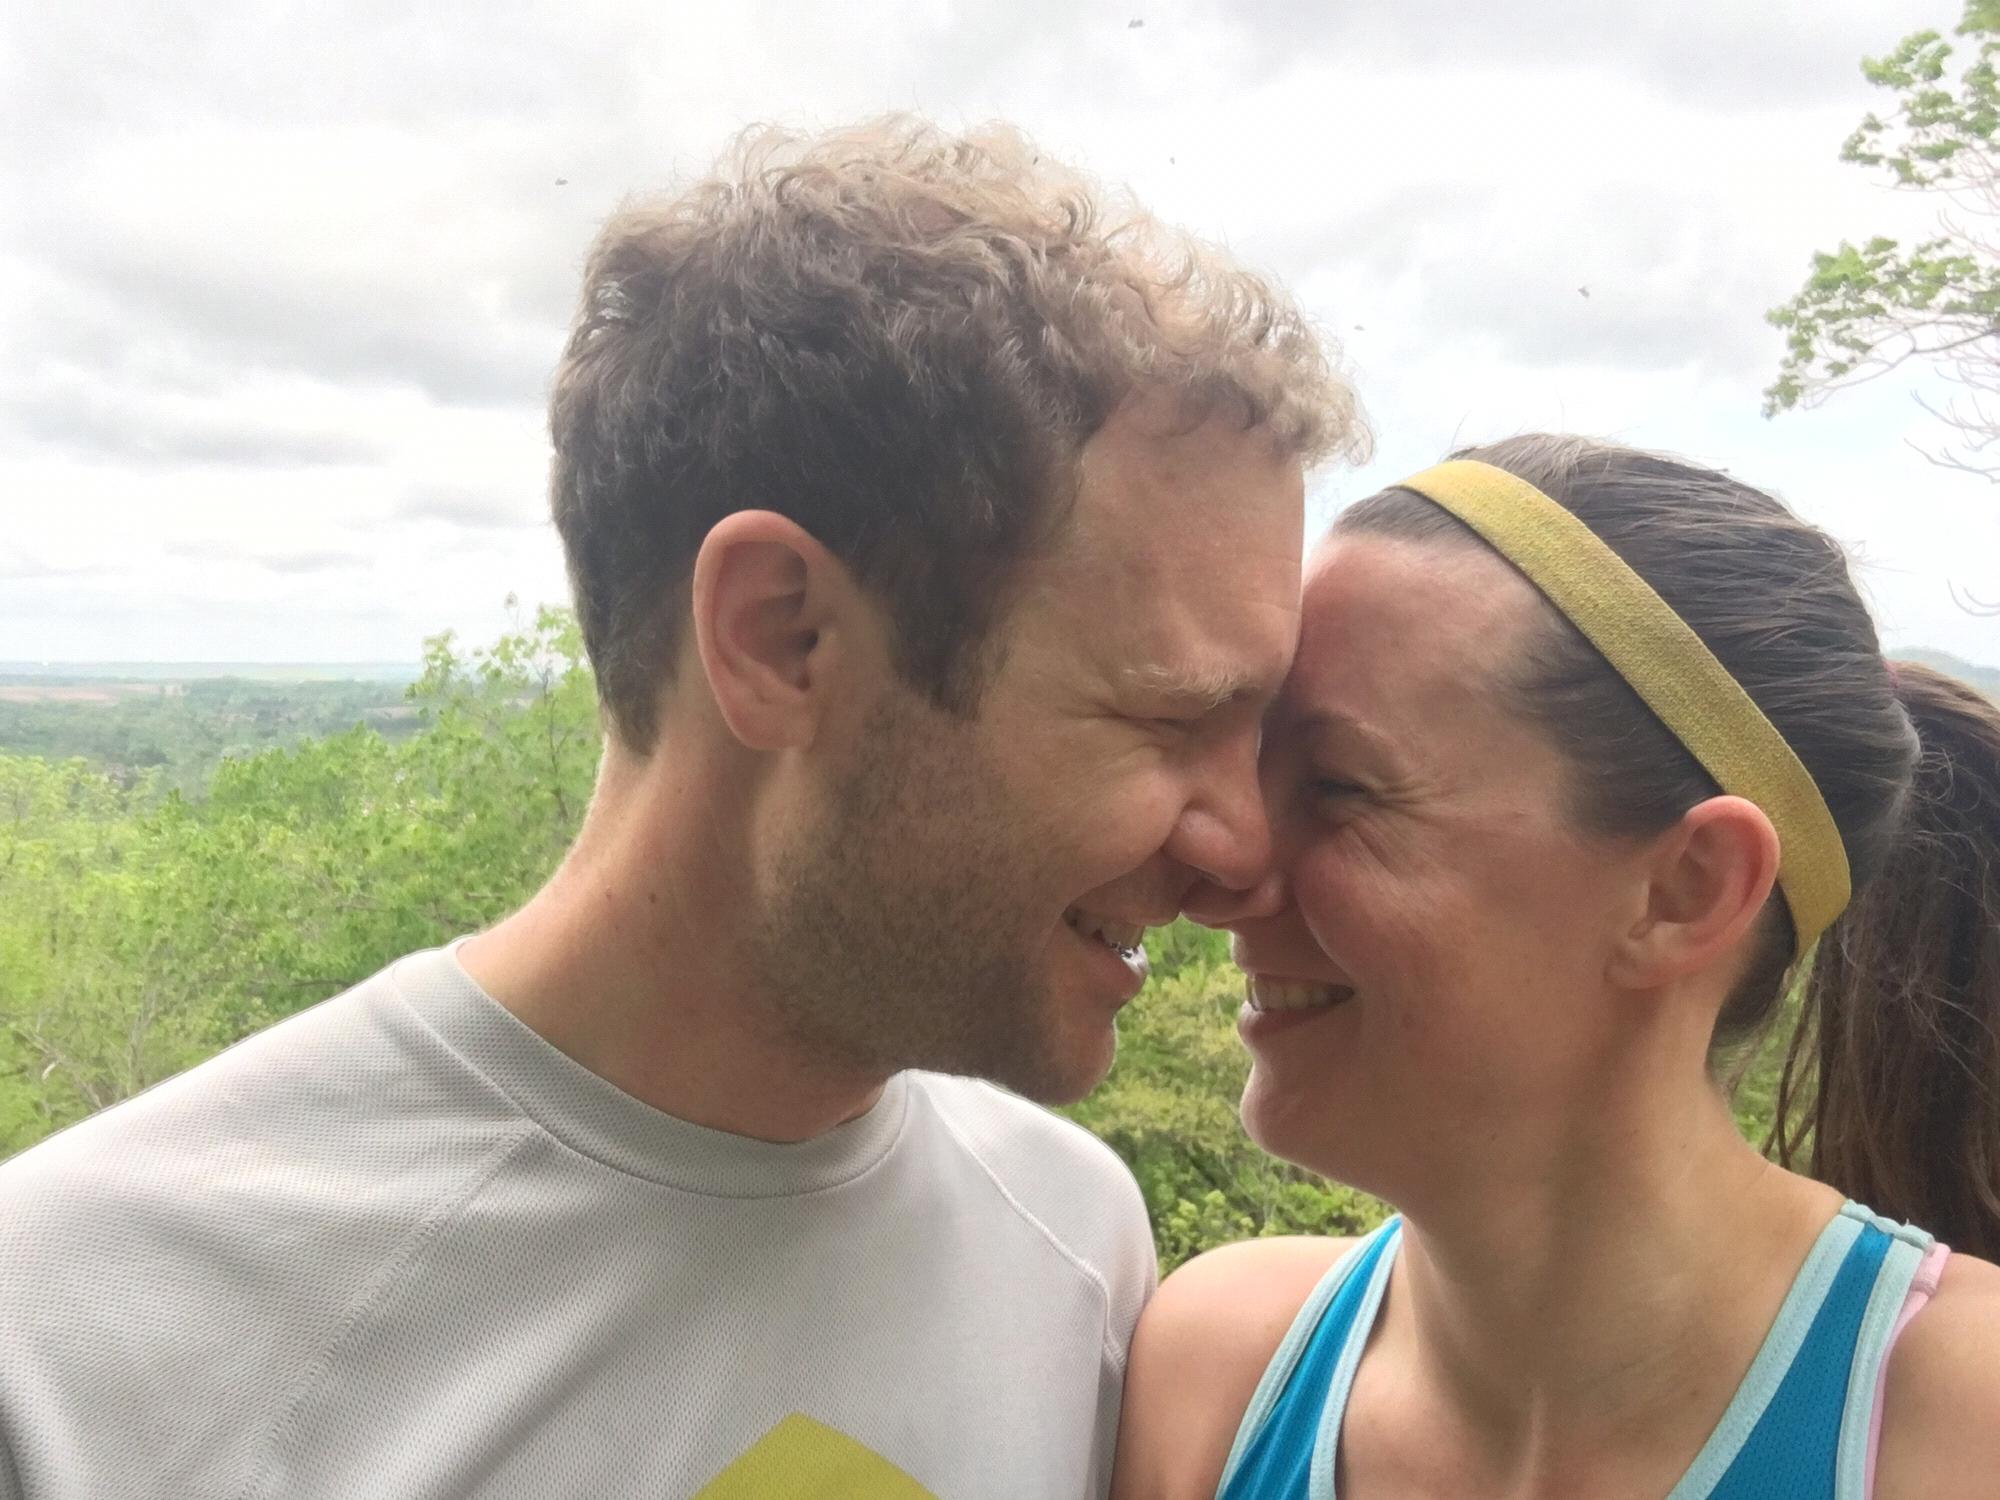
(1890, 1089)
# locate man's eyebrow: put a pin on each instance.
(1201, 688)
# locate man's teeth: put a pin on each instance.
(1278, 994)
(1125, 937)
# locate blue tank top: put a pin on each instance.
(1796, 1429)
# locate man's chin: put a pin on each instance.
(1064, 1073)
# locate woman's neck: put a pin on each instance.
(1608, 1297)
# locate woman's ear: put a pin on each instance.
(771, 609)
(1708, 880)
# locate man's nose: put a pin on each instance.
(1224, 832)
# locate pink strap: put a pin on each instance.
(1921, 1290)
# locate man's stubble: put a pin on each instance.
(899, 931)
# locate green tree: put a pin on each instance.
(141, 932)
(1169, 1109)
(138, 934)
(84, 1020)
(314, 866)
(1871, 308)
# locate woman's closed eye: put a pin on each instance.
(1334, 789)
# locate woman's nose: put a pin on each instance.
(1214, 904)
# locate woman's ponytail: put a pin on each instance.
(1891, 1089)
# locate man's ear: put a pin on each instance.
(773, 609)
(1708, 880)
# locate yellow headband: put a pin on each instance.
(1667, 665)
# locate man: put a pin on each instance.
(936, 548)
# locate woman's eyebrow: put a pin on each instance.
(1337, 724)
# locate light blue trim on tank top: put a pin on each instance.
(1775, 1359)
(1379, 1248)
(1781, 1346)
(1908, 1248)
(1787, 1336)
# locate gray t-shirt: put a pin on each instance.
(400, 1246)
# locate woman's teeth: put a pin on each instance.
(1120, 937)
(1280, 994)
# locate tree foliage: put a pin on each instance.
(1867, 309)
(141, 931)
(1169, 1109)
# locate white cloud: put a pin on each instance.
(280, 310)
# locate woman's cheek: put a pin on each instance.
(1319, 884)
(1347, 890)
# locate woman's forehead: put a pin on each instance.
(1394, 628)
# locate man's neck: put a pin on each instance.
(630, 961)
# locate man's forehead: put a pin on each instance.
(1201, 483)
(1178, 582)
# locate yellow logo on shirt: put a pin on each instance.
(801, 1459)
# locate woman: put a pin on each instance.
(1516, 927)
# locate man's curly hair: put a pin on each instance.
(901, 339)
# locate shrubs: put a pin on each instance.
(1169, 1109)
(138, 934)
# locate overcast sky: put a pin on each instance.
(281, 285)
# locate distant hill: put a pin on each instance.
(178, 721)
(203, 671)
(1986, 679)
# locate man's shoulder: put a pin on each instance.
(304, 1128)
(1028, 1145)
(1057, 1176)
(171, 1267)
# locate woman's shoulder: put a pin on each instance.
(1941, 1406)
(1201, 1347)
(1245, 1295)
